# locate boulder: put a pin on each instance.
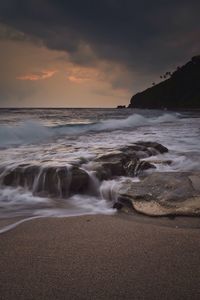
(114, 156)
(111, 164)
(135, 151)
(143, 149)
(153, 145)
(54, 181)
(164, 194)
(79, 180)
(22, 175)
(123, 163)
(101, 172)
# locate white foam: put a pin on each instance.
(28, 132)
(109, 188)
(84, 204)
(15, 224)
(132, 121)
(17, 198)
(77, 205)
(33, 131)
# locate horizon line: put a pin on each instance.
(57, 107)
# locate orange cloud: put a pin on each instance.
(41, 75)
(83, 75)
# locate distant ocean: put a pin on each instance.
(62, 137)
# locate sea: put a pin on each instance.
(64, 137)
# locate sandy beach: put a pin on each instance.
(101, 257)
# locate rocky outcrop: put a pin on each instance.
(158, 194)
(62, 181)
(51, 181)
(127, 161)
(22, 175)
(155, 194)
(121, 106)
(180, 91)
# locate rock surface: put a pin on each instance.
(51, 181)
(127, 160)
(156, 194)
(61, 181)
(167, 193)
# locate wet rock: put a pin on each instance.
(135, 167)
(112, 164)
(52, 181)
(102, 173)
(62, 181)
(135, 151)
(9, 177)
(143, 149)
(48, 181)
(114, 168)
(99, 171)
(164, 194)
(124, 163)
(118, 205)
(123, 204)
(22, 175)
(108, 170)
(114, 156)
(154, 145)
(79, 180)
(124, 201)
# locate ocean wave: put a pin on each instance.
(32, 131)
(28, 132)
(115, 124)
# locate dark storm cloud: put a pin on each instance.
(143, 35)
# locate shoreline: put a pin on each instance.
(172, 221)
(100, 257)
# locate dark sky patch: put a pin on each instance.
(143, 35)
(143, 39)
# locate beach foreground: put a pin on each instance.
(101, 257)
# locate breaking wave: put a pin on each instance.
(33, 132)
(28, 132)
(115, 124)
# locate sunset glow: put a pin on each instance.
(53, 55)
(37, 75)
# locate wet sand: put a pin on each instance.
(101, 257)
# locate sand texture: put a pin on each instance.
(100, 257)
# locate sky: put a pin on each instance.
(84, 53)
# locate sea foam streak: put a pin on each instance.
(76, 205)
